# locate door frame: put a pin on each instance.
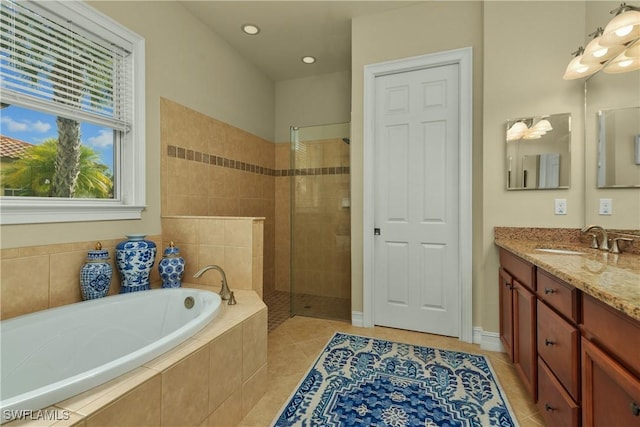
(464, 58)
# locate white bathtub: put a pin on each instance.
(51, 355)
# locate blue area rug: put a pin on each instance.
(363, 381)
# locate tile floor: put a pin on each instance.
(305, 337)
(305, 305)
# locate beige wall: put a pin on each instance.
(309, 101)
(417, 30)
(188, 64)
(523, 67)
(518, 67)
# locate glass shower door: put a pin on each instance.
(320, 270)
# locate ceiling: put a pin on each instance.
(289, 31)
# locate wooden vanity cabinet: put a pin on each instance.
(610, 367)
(518, 317)
(578, 357)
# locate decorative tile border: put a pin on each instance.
(197, 156)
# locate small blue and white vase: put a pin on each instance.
(171, 267)
(135, 258)
(95, 274)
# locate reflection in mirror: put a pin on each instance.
(538, 152)
(619, 147)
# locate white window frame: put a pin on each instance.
(130, 155)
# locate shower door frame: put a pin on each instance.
(294, 139)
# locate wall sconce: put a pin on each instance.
(615, 48)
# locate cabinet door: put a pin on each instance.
(610, 393)
(506, 312)
(524, 337)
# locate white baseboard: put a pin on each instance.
(357, 318)
(488, 340)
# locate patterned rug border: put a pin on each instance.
(503, 395)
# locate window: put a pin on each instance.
(72, 115)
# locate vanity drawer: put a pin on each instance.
(612, 330)
(520, 269)
(555, 405)
(559, 295)
(558, 345)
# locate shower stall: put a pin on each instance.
(320, 261)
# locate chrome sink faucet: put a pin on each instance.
(225, 293)
(604, 243)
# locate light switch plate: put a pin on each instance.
(606, 207)
(560, 206)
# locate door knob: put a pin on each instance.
(376, 231)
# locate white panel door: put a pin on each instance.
(416, 283)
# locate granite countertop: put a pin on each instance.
(611, 278)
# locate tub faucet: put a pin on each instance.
(604, 243)
(225, 293)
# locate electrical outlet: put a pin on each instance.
(561, 206)
(606, 207)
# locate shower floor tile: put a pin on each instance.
(278, 303)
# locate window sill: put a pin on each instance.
(36, 211)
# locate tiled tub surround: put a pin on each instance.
(213, 379)
(35, 278)
(210, 168)
(39, 277)
(611, 278)
(235, 244)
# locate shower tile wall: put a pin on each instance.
(210, 168)
(322, 219)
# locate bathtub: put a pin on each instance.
(51, 355)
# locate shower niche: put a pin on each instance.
(320, 209)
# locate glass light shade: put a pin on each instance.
(532, 134)
(595, 52)
(576, 69)
(622, 29)
(629, 60)
(516, 131)
(543, 126)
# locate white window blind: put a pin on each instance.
(51, 64)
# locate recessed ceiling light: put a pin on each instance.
(251, 29)
(308, 59)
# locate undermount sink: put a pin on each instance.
(560, 251)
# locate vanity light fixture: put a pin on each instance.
(577, 69)
(308, 59)
(596, 52)
(625, 27)
(250, 29)
(611, 48)
(629, 60)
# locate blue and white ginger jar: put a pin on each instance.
(171, 267)
(95, 274)
(135, 258)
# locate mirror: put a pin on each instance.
(619, 148)
(609, 94)
(538, 152)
